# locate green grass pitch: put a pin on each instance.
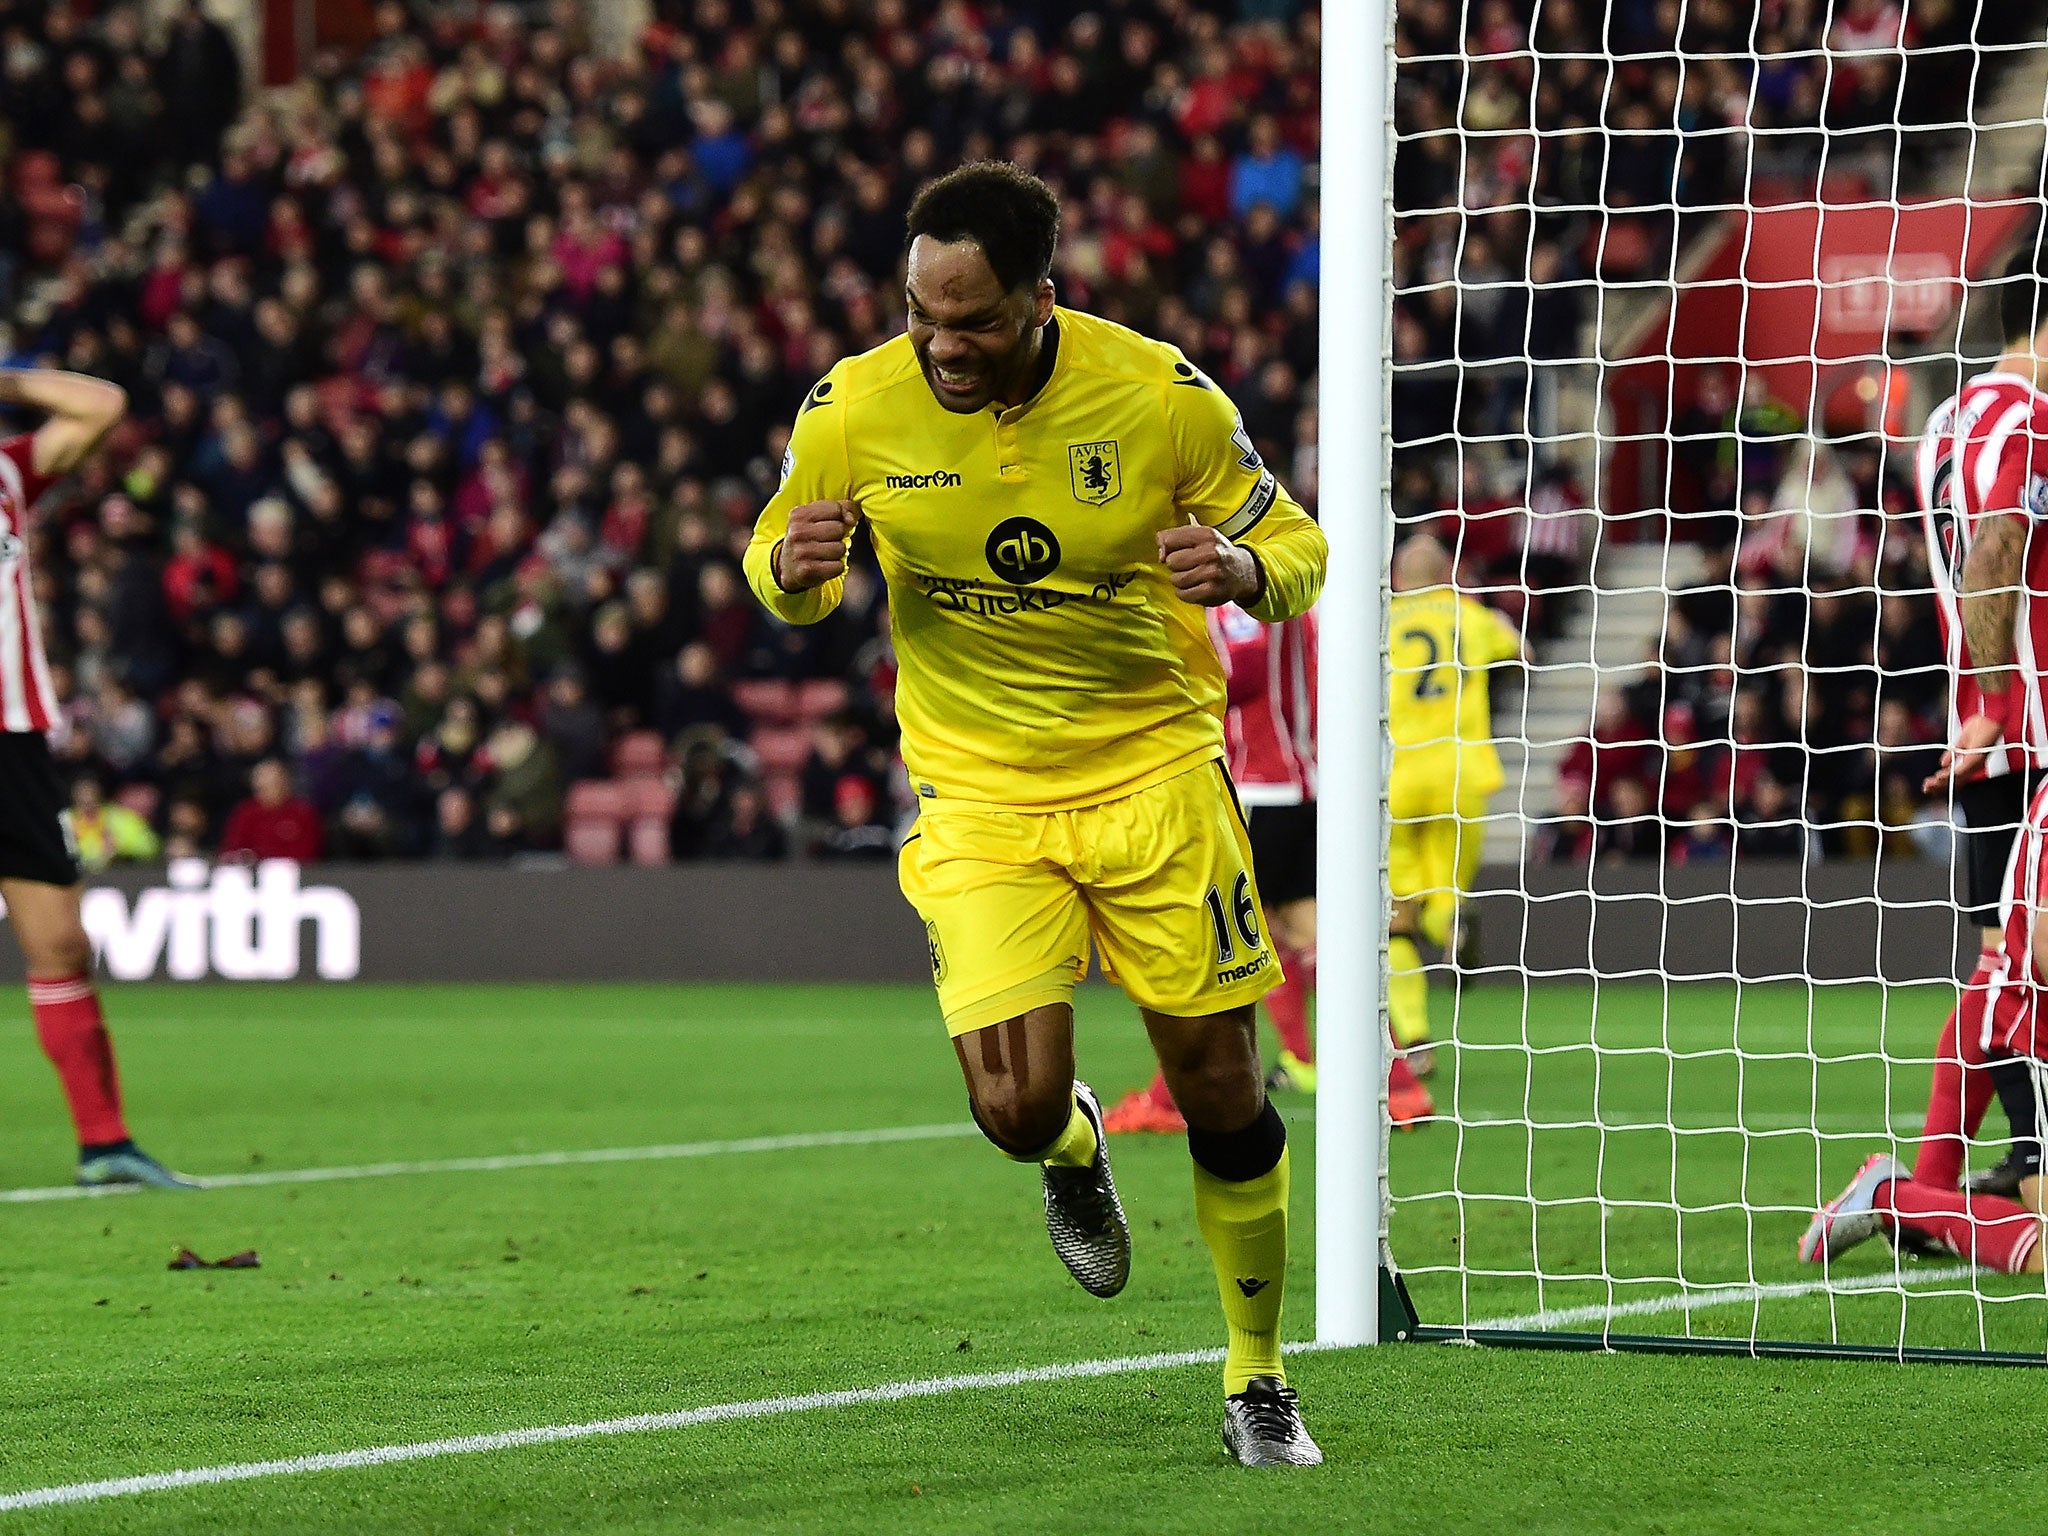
(421, 1306)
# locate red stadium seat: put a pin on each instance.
(767, 700)
(647, 840)
(782, 749)
(591, 840)
(822, 696)
(596, 797)
(591, 822)
(639, 753)
(642, 798)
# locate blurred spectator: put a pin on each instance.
(107, 832)
(1566, 836)
(273, 823)
(1770, 826)
(855, 832)
(573, 727)
(745, 830)
(1703, 838)
(690, 696)
(700, 798)
(523, 804)
(1633, 832)
(458, 831)
(841, 754)
(1268, 172)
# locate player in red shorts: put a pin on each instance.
(1989, 1230)
(1271, 732)
(39, 878)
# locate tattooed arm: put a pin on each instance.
(1990, 599)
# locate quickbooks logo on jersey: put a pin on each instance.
(1022, 550)
(937, 480)
(234, 925)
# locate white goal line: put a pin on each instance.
(857, 1397)
(513, 1160)
(1688, 1302)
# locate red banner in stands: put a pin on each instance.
(1803, 296)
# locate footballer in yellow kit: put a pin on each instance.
(1053, 500)
(1446, 767)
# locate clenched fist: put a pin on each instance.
(1207, 568)
(814, 549)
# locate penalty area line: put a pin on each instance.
(880, 1136)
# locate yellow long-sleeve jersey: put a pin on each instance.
(1044, 661)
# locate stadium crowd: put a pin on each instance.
(1791, 708)
(1526, 173)
(460, 370)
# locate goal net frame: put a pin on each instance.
(1361, 1294)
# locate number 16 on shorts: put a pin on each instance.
(1236, 922)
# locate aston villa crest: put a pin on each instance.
(1094, 469)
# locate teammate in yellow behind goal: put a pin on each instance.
(1441, 646)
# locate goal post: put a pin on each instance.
(1645, 328)
(1352, 467)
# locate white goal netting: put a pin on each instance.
(1675, 286)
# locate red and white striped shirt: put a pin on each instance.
(28, 699)
(1985, 453)
(1270, 728)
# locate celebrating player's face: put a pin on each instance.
(976, 343)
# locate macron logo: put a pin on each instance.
(938, 479)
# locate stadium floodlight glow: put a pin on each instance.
(1352, 491)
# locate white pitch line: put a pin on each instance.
(811, 1402)
(1722, 1296)
(499, 1163)
(642, 1423)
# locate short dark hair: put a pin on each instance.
(2023, 290)
(1003, 208)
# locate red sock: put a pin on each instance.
(1160, 1094)
(74, 1037)
(1985, 1229)
(1401, 1075)
(1961, 1091)
(1288, 1002)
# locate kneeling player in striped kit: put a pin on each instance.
(39, 877)
(1933, 1217)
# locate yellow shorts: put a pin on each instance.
(1160, 880)
(1435, 834)
(1422, 857)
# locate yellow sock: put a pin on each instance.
(1074, 1147)
(1438, 908)
(1245, 1226)
(1407, 993)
